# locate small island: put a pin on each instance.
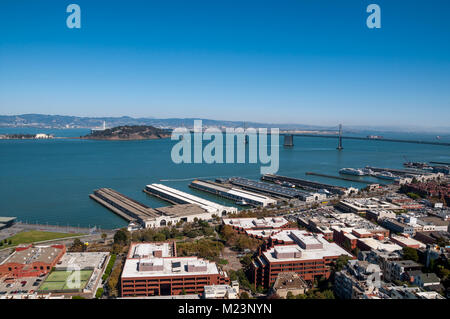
(128, 133)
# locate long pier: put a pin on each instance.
(122, 205)
(370, 139)
(342, 178)
(440, 163)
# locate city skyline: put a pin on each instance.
(302, 63)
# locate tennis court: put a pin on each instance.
(64, 280)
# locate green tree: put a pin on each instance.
(122, 236)
(244, 295)
(410, 254)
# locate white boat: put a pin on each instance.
(242, 203)
(352, 171)
(387, 175)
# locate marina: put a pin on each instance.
(71, 169)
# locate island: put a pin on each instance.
(128, 133)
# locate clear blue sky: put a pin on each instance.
(302, 61)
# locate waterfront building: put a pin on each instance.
(235, 194)
(277, 190)
(140, 215)
(178, 197)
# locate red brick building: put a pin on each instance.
(308, 255)
(153, 269)
(29, 261)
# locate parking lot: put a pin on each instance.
(25, 285)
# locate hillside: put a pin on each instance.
(135, 132)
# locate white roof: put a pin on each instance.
(328, 250)
(188, 198)
(248, 223)
(147, 249)
(130, 269)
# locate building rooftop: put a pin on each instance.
(181, 210)
(84, 260)
(249, 223)
(171, 266)
(6, 220)
(327, 250)
(147, 250)
(44, 254)
(407, 241)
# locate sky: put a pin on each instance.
(304, 61)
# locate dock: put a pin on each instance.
(440, 163)
(342, 178)
(303, 183)
(123, 206)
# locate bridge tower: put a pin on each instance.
(288, 140)
(340, 138)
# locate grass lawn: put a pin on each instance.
(32, 236)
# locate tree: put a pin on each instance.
(341, 262)
(244, 295)
(159, 237)
(104, 236)
(122, 236)
(410, 254)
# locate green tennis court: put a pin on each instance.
(64, 280)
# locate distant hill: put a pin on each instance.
(63, 121)
(135, 132)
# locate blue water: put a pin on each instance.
(50, 180)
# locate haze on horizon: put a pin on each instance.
(313, 63)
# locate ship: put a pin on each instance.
(420, 165)
(352, 171)
(387, 175)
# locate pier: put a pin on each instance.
(396, 171)
(123, 206)
(303, 183)
(440, 163)
(342, 178)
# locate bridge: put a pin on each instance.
(289, 139)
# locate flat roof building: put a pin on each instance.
(277, 190)
(31, 261)
(233, 193)
(153, 269)
(308, 255)
(362, 205)
(178, 197)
